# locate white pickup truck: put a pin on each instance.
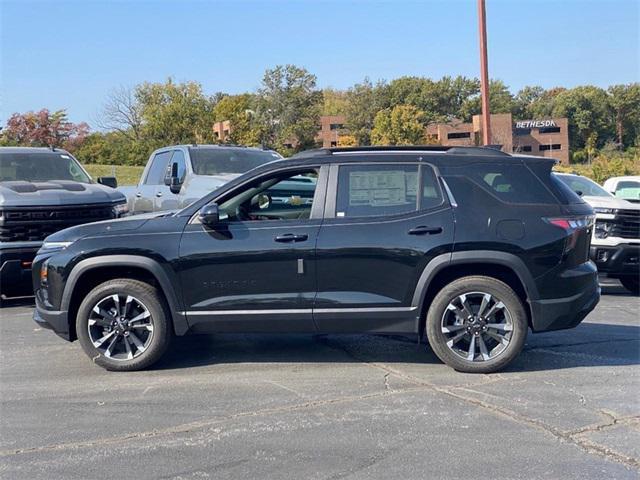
(627, 188)
(615, 244)
(181, 174)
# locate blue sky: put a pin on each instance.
(69, 54)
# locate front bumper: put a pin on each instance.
(15, 270)
(58, 321)
(619, 260)
(568, 312)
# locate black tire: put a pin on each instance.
(632, 284)
(499, 292)
(149, 298)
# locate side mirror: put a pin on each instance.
(579, 193)
(209, 215)
(174, 184)
(108, 181)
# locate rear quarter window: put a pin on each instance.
(509, 183)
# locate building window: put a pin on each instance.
(522, 148)
(549, 130)
(334, 144)
(459, 135)
(522, 131)
(555, 146)
(336, 126)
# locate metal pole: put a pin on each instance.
(484, 74)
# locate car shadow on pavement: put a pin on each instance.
(588, 345)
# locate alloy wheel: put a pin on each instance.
(477, 326)
(120, 327)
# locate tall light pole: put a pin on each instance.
(484, 74)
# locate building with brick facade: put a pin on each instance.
(544, 138)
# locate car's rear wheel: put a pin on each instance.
(123, 325)
(631, 283)
(477, 324)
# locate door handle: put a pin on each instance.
(139, 194)
(290, 237)
(424, 230)
(158, 194)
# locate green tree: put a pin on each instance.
(288, 108)
(364, 101)
(525, 98)
(500, 101)
(400, 125)
(334, 102)
(238, 110)
(174, 113)
(625, 103)
(589, 113)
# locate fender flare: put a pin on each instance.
(180, 324)
(445, 260)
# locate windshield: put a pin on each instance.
(583, 186)
(40, 167)
(214, 161)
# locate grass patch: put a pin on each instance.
(126, 174)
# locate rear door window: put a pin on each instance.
(368, 190)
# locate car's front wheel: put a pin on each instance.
(477, 324)
(123, 325)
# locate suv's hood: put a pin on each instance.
(105, 226)
(55, 193)
(610, 202)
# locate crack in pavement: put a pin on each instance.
(198, 425)
(569, 437)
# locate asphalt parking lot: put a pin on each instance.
(330, 407)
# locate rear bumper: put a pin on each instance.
(619, 260)
(15, 271)
(568, 312)
(53, 320)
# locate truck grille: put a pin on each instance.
(29, 225)
(626, 224)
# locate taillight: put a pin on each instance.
(572, 226)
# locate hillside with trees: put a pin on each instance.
(283, 114)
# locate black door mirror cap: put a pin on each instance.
(174, 184)
(209, 215)
(108, 181)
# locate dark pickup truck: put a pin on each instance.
(43, 191)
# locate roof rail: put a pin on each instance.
(489, 150)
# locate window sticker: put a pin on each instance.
(381, 188)
(67, 157)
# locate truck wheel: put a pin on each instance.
(123, 325)
(632, 284)
(477, 324)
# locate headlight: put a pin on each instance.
(120, 210)
(602, 229)
(51, 246)
(603, 210)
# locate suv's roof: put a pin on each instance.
(437, 154)
(31, 150)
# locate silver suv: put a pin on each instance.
(177, 176)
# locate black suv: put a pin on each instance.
(44, 190)
(471, 246)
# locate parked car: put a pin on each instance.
(615, 243)
(42, 191)
(627, 188)
(176, 176)
(470, 245)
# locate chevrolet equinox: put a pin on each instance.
(469, 246)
